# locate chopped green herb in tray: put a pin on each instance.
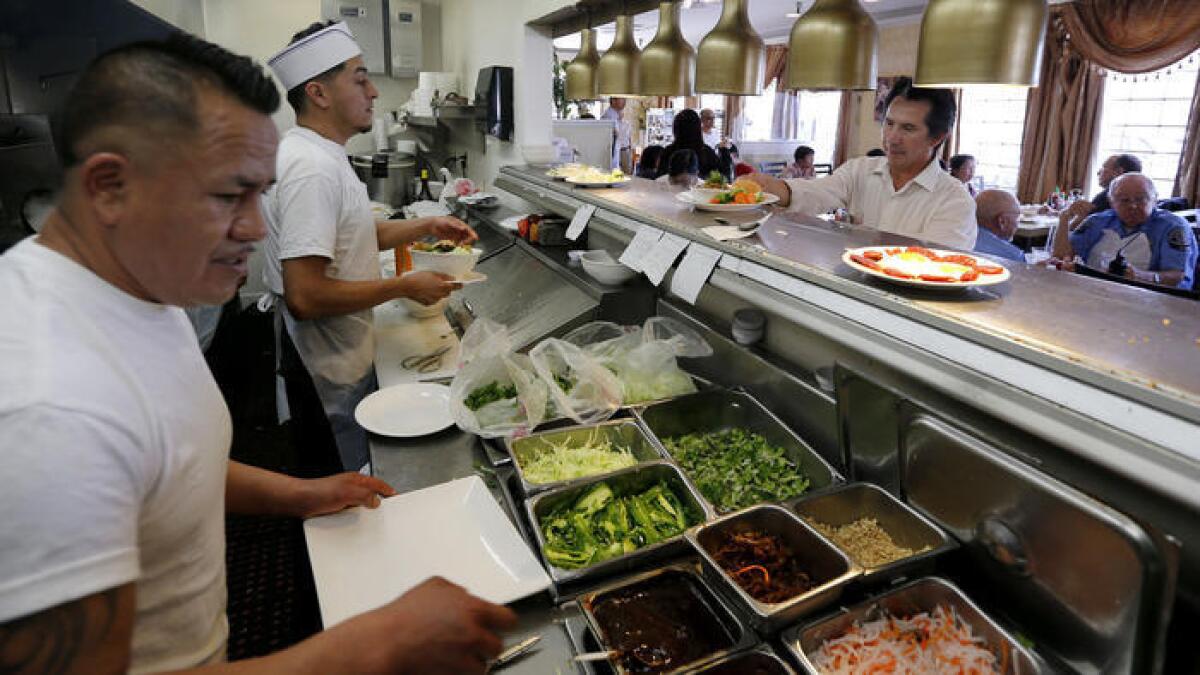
(489, 393)
(736, 468)
(600, 525)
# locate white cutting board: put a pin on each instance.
(364, 558)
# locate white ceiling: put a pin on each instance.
(767, 16)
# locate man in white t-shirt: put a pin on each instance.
(114, 439)
(323, 243)
(906, 191)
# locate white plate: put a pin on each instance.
(471, 277)
(983, 280)
(364, 558)
(406, 410)
(587, 184)
(686, 198)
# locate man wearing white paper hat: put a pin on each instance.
(323, 246)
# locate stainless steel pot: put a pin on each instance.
(388, 176)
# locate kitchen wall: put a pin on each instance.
(897, 56)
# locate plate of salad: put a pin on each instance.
(743, 195)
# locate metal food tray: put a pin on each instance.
(625, 481)
(619, 433)
(760, 661)
(907, 528)
(721, 409)
(742, 637)
(825, 563)
(922, 595)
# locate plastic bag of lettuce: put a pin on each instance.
(495, 392)
(644, 358)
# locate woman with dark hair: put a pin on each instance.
(688, 136)
(648, 163)
(962, 167)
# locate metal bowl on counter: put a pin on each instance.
(908, 529)
(631, 481)
(922, 595)
(675, 623)
(758, 661)
(827, 570)
(621, 433)
(717, 410)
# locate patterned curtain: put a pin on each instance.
(733, 117)
(785, 117)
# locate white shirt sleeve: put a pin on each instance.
(952, 222)
(822, 194)
(308, 211)
(73, 487)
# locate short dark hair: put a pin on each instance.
(876, 152)
(296, 96)
(802, 152)
(942, 108)
(1128, 163)
(152, 86)
(959, 161)
(683, 161)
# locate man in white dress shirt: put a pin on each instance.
(906, 191)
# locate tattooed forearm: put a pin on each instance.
(71, 637)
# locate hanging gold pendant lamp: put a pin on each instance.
(832, 46)
(981, 42)
(730, 58)
(581, 72)
(668, 62)
(617, 74)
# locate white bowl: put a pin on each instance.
(419, 311)
(601, 267)
(453, 264)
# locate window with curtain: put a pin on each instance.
(1146, 115)
(990, 126)
(758, 112)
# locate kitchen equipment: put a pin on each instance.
(387, 174)
(623, 433)
(601, 267)
(907, 528)
(922, 595)
(748, 326)
(363, 558)
(731, 635)
(720, 409)
(514, 651)
(627, 481)
(494, 92)
(406, 410)
(828, 568)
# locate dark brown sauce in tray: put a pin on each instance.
(661, 623)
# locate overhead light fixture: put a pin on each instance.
(617, 73)
(833, 47)
(666, 65)
(730, 58)
(965, 42)
(581, 72)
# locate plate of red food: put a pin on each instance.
(926, 267)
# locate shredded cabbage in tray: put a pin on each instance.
(563, 461)
(936, 643)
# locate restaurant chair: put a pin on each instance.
(772, 168)
(823, 169)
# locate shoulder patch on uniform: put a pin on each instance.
(1180, 238)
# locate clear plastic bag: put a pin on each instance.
(643, 357)
(579, 386)
(496, 392)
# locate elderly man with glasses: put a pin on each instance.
(1157, 245)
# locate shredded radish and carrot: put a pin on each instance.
(924, 643)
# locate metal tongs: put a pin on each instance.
(509, 655)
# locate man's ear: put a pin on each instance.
(104, 177)
(315, 91)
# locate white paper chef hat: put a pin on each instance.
(301, 61)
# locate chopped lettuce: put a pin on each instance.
(559, 462)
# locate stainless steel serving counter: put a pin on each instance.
(1046, 350)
